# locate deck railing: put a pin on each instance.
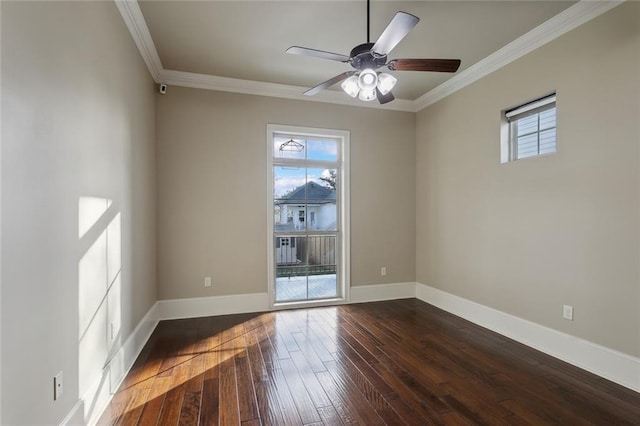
(305, 255)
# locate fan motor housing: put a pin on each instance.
(363, 57)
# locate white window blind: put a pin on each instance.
(532, 128)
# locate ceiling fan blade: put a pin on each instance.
(437, 65)
(305, 51)
(397, 29)
(383, 99)
(325, 85)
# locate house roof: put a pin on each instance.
(311, 192)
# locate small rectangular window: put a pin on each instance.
(530, 129)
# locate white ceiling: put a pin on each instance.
(246, 40)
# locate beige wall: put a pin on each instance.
(212, 199)
(77, 122)
(529, 236)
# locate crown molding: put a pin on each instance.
(259, 88)
(565, 21)
(134, 20)
(572, 17)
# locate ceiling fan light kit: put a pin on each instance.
(367, 79)
(366, 82)
(367, 95)
(350, 86)
(386, 82)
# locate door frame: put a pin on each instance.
(343, 275)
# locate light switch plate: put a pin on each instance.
(567, 312)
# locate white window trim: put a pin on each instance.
(344, 272)
(507, 149)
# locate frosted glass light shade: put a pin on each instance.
(386, 82)
(367, 79)
(350, 86)
(367, 94)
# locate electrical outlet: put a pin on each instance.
(207, 281)
(567, 312)
(57, 386)
(383, 271)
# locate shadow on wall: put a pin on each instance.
(99, 293)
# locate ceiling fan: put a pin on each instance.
(365, 81)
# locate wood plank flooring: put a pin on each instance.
(394, 362)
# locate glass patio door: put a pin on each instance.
(306, 252)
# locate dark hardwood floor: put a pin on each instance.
(395, 362)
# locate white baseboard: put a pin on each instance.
(605, 362)
(211, 306)
(90, 407)
(378, 292)
(259, 302)
(75, 416)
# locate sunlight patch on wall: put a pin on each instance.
(90, 209)
(99, 287)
